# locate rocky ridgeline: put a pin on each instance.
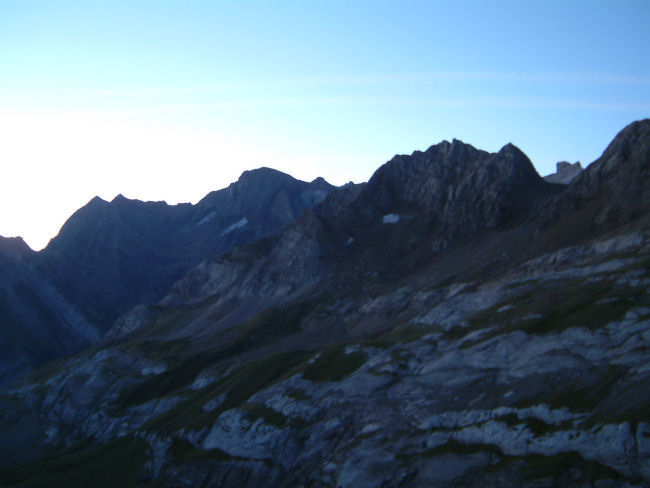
(112, 256)
(384, 338)
(451, 189)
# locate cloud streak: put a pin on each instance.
(558, 78)
(499, 103)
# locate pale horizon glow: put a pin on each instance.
(169, 101)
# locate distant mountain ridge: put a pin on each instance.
(111, 256)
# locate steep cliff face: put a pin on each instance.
(36, 323)
(514, 355)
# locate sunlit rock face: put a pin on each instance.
(501, 350)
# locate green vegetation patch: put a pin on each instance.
(262, 330)
(555, 307)
(334, 364)
(183, 450)
(268, 326)
(401, 335)
(255, 411)
(118, 463)
(452, 447)
(627, 401)
(298, 394)
(237, 387)
(538, 427)
(582, 392)
(560, 465)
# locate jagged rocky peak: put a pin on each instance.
(565, 172)
(13, 247)
(461, 187)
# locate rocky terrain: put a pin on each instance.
(456, 321)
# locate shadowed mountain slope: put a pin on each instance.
(111, 256)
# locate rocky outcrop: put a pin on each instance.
(565, 173)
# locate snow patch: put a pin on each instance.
(206, 219)
(390, 218)
(237, 225)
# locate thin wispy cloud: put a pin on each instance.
(503, 103)
(560, 78)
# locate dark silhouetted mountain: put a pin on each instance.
(111, 256)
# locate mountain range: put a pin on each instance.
(457, 320)
(112, 256)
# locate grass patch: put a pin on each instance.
(268, 326)
(299, 395)
(555, 308)
(538, 427)
(238, 387)
(627, 401)
(400, 335)
(183, 450)
(559, 465)
(452, 447)
(334, 365)
(455, 447)
(255, 411)
(581, 393)
(118, 463)
(263, 329)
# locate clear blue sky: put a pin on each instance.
(167, 100)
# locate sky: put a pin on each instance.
(168, 100)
